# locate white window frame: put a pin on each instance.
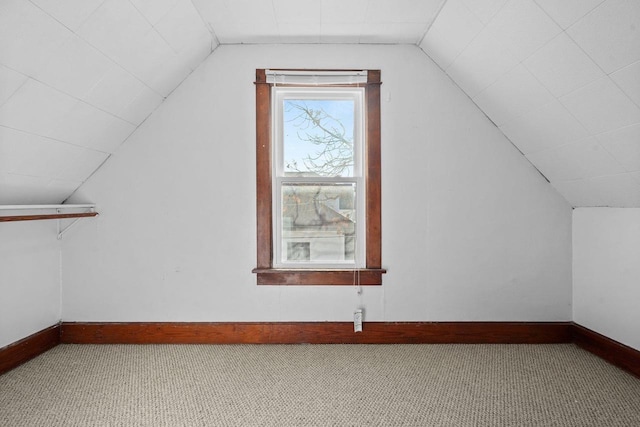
(279, 95)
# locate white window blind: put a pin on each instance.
(315, 77)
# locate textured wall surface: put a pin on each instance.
(470, 230)
(29, 278)
(606, 272)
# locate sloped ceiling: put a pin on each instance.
(76, 79)
(560, 78)
(319, 21)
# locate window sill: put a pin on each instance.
(329, 277)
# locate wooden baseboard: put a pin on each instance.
(27, 348)
(316, 333)
(612, 351)
(616, 353)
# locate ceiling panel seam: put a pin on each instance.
(96, 48)
(153, 26)
(80, 100)
(214, 36)
(430, 24)
(55, 139)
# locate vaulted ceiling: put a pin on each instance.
(560, 78)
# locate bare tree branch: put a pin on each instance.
(335, 148)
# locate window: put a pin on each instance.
(316, 168)
(318, 177)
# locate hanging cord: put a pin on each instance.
(356, 269)
(356, 274)
(358, 314)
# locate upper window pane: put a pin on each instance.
(319, 137)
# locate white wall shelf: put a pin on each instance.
(62, 212)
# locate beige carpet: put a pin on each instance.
(324, 385)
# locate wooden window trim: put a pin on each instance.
(372, 273)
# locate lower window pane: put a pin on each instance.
(318, 223)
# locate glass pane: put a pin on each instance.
(318, 223)
(318, 137)
(299, 251)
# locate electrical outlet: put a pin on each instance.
(357, 320)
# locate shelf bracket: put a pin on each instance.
(62, 231)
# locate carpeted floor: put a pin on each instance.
(323, 385)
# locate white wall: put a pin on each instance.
(470, 230)
(29, 278)
(606, 272)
